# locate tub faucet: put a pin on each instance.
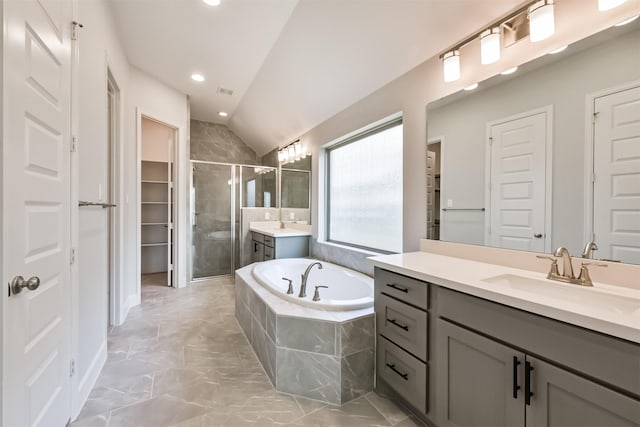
(305, 276)
(588, 248)
(567, 268)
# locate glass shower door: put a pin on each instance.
(213, 219)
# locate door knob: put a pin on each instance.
(18, 283)
(537, 235)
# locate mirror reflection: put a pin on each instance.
(512, 163)
(295, 184)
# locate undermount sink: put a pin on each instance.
(583, 296)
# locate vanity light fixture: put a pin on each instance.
(604, 5)
(558, 50)
(471, 87)
(451, 63)
(541, 20)
(212, 2)
(490, 46)
(509, 71)
(626, 21)
(197, 77)
(292, 152)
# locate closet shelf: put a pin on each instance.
(148, 245)
(154, 223)
(154, 203)
(147, 181)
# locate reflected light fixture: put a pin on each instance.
(212, 2)
(509, 71)
(471, 87)
(197, 77)
(626, 21)
(558, 50)
(223, 113)
(541, 20)
(490, 45)
(451, 63)
(609, 4)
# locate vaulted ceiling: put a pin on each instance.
(291, 64)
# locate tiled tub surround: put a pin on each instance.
(318, 354)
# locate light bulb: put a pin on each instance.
(451, 63)
(609, 4)
(541, 20)
(471, 87)
(490, 46)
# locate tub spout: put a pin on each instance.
(305, 276)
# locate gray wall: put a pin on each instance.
(217, 143)
(564, 85)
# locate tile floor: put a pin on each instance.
(181, 359)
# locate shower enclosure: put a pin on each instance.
(218, 192)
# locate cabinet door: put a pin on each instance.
(258, 251)
(563, 399)
(477, 380)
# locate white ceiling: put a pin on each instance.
(292, 64)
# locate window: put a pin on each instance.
(364, 188)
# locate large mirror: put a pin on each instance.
(295, 184)
(512, 163)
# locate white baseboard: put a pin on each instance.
(131, 301)
(86, 383)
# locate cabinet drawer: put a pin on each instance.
(406, 326)
(402, 372)
(268, 253)
(269, 241)
(401, 287)
(257, 237)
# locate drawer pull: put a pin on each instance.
(398, 288)
(398, 324)
(516, 387)
(527, 382)
(393, 368)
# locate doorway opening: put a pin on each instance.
(434, 187)
(113, 195)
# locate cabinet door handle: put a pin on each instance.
(398, 288)
(398, 324)
(527, 382)
(516, 387)
(394, 369)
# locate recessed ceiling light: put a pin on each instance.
(509, 71)
(558, 50)
(222, 113)
(471, 87)
(212, 2)
(197, 77)
(626, 21)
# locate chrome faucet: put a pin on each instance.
(305, 276)
(567, 268)
(588, 248)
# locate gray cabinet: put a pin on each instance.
(485, 383)
(479, 381)
(401, 324)
(265, 247)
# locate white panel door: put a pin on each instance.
(431, 193)
(616, 197)
(36, 211)
(517, 185)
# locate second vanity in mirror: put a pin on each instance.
(548, 156)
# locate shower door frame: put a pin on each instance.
(236, 240)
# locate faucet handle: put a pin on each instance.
(584, 277)
(290, 290)
(316, 294)
(553, 270)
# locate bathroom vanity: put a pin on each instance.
(462, 342)
(272, 242)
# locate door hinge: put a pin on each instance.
(593, 178)
(595, 116)
(72, 257)
(74, 144)
(74, 29)
(72, 368)
(490, 140)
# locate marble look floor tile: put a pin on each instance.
(387, 408)
(182, 360)
(159, 411)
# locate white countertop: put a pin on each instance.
(613, 310)
(272, 228)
